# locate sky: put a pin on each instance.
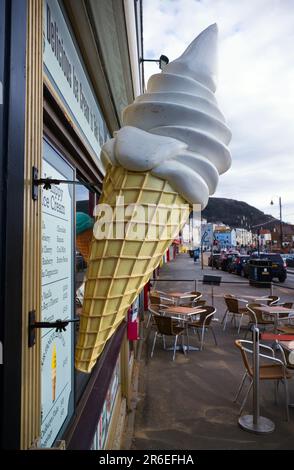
(255, 88)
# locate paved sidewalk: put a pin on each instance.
(188, 403)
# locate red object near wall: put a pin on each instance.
(133, 327)
(146, 295)
(175, 250)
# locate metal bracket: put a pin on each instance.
(59, 325)
(35, 174)
(47, 183)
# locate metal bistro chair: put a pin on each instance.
(272, 300)
(168, 326)
(191, 302)
(233, 308)
(156, 301)
(204, 323)
(256, 318)
(275, 370)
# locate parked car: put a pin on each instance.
(212, 260)
(238, 263)
(290, 261)
(225, 260)
(279, 268)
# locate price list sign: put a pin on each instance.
(57, 296)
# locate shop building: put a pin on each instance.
(67, 70)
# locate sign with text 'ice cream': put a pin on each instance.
(57, 297)
(65, 70)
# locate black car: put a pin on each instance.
(278, 265)
(212, 260)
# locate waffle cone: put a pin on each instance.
(83, 241)
(120, 266)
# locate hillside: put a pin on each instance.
(236, 213)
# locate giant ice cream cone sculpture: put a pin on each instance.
(167, 157)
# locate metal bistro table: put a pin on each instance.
(184, 312)
(274, 311)
(178, 296)
(245, 298)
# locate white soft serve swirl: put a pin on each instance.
(176, 130)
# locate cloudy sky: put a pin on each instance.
(255, 87)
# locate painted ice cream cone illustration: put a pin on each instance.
(166, 157)
(84, 233)
(53, 371)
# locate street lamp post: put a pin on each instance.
(281, 223)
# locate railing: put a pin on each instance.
(271, 284)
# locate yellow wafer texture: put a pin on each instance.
(121, 264)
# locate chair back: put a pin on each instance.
(197, 294)
(244, 355)
(154, 298)
(165, 325)
(273, 300)
(231, 303)
(254, 314)
(207, 315)
(198, 303)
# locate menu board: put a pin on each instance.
(57, 296)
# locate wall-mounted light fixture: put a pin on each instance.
(162, 61)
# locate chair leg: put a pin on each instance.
(202, 338)
(148, 319)
(240, 387)
(240, 322)
(153, 346)
(213, 335)
(183, 345)
(175, 347)
(246, 332)
(246, 397)
(163, 340)
(276, 388)
(188, 340)
(223, 319)
(287, 399)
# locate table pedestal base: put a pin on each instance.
(263, 425)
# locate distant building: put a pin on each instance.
(243, 237)
(287, 233)
(226, 237)
(265, 238)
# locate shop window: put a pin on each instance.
(85, 204)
